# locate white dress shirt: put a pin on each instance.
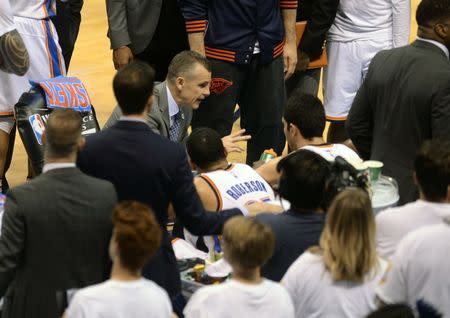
(58, 165)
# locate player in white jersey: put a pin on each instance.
(360, 30)
(32, 21)
(222, 185)
(304, 123)
(14, 59)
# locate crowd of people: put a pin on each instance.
(89, 237)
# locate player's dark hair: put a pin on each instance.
(205, 147)
(307, 113)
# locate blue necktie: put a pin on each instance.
(174, 130)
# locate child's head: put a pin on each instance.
(136, 235)
(247, 243)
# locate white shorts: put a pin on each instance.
(348, 63)
(46, 61)
(6, 124)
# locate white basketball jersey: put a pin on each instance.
(238, 186)
(234, 188)
(331, 151)
(34, 9)
(6, 17)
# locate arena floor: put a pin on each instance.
(92, 63)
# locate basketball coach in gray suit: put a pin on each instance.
(186, 86)
(56, 229)
(405, 98)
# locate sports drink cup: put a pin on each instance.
(268, 155)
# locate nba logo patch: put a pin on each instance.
(38, 126)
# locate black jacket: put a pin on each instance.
(404, 100)
(320, 16)
(149, 168)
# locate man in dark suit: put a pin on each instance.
(55, 229)
(405, 98)
(146, 167)
(319, 16)
(152, 31)
(186, 85)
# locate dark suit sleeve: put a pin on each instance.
(440, 113)
(359, 122)
(187, 205)
(11, 241)
(322, 16)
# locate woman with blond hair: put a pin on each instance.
(338, 278)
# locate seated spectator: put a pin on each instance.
(432, 174)
(419, 275)
(136, 237)
(55, 228)
(393, 311)
(302, 183)
(338, 278)
(304, 122)
(247, 244)
(220, 184)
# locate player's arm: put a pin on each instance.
(14, 57)
(289, 11)
(195, 15)
(401, 15)
(207, 195)
(268, 171)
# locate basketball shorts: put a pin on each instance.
(46, 61)
(348, 63)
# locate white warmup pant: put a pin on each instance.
(348, 63)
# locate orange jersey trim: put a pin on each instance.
(216, 191)
(331, 118)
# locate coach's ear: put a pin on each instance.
(81, 143)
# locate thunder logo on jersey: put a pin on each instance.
(240, 189)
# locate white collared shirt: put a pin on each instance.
(126, 118)
(59, 165)
(438, 44)
(173, 107)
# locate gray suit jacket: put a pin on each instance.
(132, 22)
(55, 234)
(158, 118)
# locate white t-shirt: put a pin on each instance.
(234, 299)
(395, 223)
(331, 151)
(118, 299)
(372, 20)
(315, 294)
(6, 17)
(420, 270)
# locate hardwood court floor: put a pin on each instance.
(92, 63)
